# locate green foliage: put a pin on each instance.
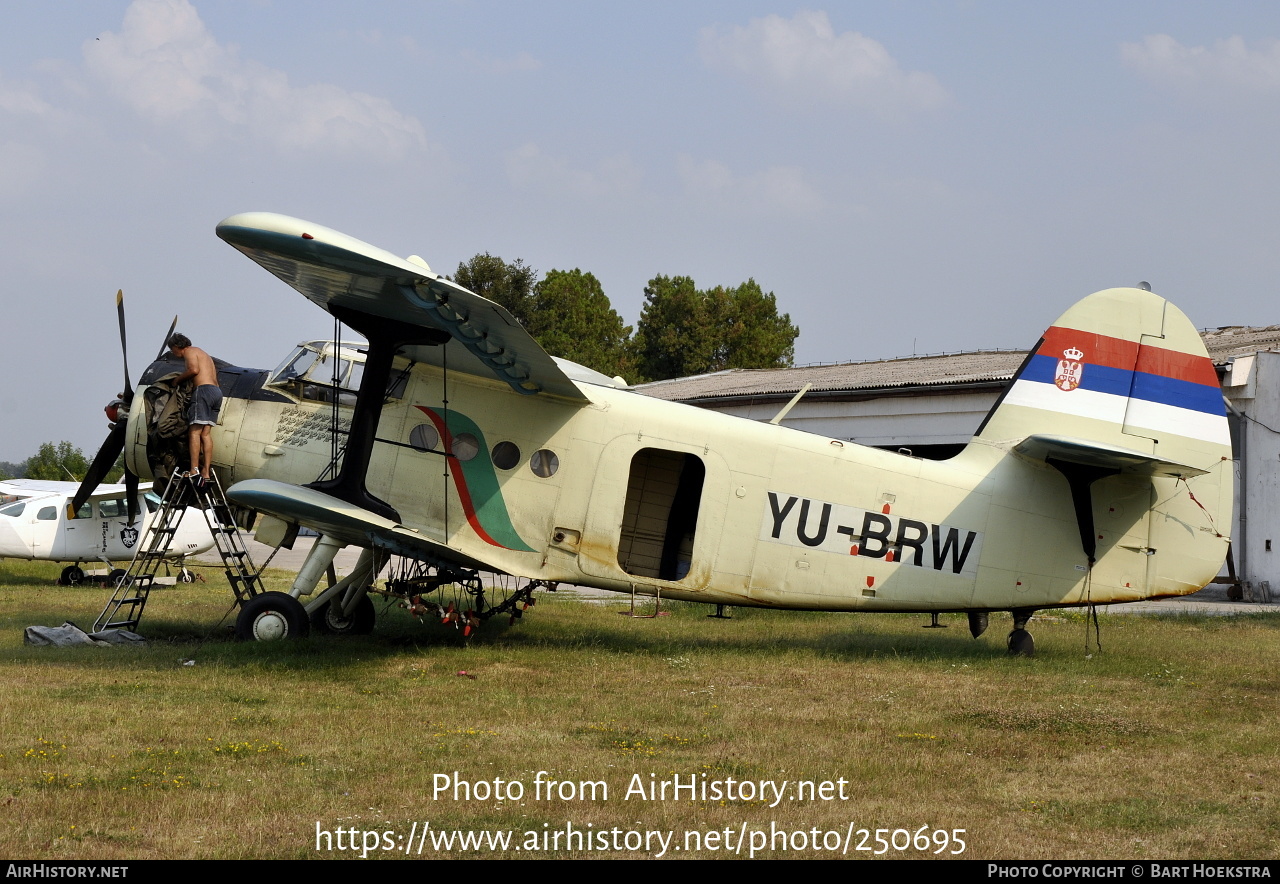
(510, 285)
(574, 320)
(10, 470)
(684, 331)
(60, 462)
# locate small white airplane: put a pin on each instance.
(1102, 475)
(36, 523)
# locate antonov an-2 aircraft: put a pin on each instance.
(1102, 475)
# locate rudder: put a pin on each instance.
(1125, 369)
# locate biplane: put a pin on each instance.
(1103, 474)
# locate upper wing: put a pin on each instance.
(53, 486)
(333, 269)
(340, 520)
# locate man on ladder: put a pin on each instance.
(205, 403)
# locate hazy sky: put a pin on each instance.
(905, 177)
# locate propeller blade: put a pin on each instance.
(127, 396)
(131, 489)
(164, 345)
(103, 461)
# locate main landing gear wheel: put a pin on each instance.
(116, 575)
(330, 618)
(72, 575)
(1021, 644)
(272, 616)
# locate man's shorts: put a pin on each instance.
(204, 405)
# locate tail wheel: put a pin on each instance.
(330, 618)
(272, 616)
(1021, 644)
(72, 575)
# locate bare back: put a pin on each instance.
(200, 367)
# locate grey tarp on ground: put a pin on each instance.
(69, 635)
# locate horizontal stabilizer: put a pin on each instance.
(1099, 454)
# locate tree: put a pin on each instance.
(573, 319)
(684, 331)
(674, 337)
(510, 285)
(754, 335)
(61, 462)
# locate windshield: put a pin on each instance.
(315, 368)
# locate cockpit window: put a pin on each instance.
(153, 501)
(111, 509)
(296, 366)
(319, 371)
(85, 512)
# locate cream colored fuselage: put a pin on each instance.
(783, 518)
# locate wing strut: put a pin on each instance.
(385, 337)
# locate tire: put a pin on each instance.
(72, 575)
(1021, 644)
(185, 576)
(272, 616)
(329, 620)
(116, 575)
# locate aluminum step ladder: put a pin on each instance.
(129, 598)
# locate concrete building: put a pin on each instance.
(930, 406)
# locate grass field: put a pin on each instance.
(1163, 745)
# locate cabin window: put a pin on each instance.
(48, 513)
(13, 510)
(111, 509)
(661, 514)
(506, 455)
(465, 446)
(424, 437)
(544, 463)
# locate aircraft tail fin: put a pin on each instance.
(1121, 381)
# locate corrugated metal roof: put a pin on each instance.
(949, 369)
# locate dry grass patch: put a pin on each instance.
(1160, 746)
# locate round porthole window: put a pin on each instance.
(424, 437)
(465, 446)
(506, 455)
(544, 463)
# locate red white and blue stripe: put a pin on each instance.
(1140, 386)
